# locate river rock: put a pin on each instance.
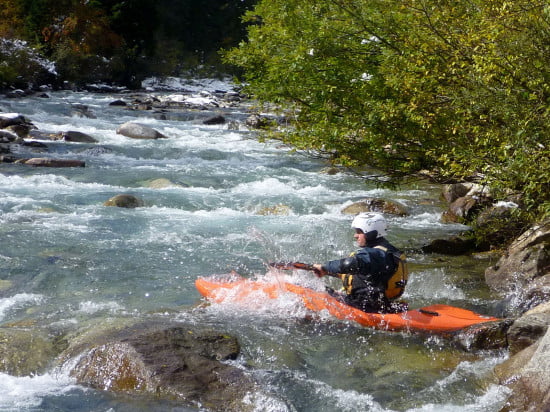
(376, 205)
(11, 119)
(47, 162)
(124, 200)
(74, 136)
(5, 284)
(25, 352)
(278, 210)
(161, 183)
(218, 119)
(118, 102)
(484, 336)
(139, 131)
(526, 374)
(454, 246)
(255, 121)
(21, 130)
(81, 110)
(529, 328)
(465, 200)
(522, 274)
(455, 191)
(181, 363)
(7, 137)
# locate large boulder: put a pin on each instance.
(526, 374)
(182, 363)
(522, 274)
(139, 131)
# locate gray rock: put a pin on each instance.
(529, 328)
(79, 137)
(139, 131)
(526, 374)
(11, 119)
(219, 119)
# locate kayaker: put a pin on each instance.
(373, 276)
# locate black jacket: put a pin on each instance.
(368, 269)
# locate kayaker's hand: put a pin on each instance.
(318, 270)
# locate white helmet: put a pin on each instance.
(371, 222)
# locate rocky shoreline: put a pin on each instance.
(201, 374)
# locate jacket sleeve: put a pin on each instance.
(347, 265)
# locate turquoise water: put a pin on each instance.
(66, 259)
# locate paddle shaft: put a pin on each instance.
(293, 265)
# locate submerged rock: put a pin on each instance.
(127, 201)
(161, 183)
(25, 352)
(279, 210)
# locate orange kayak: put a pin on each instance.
(434, 318)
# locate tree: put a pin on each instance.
(10, 18)
(456, 87)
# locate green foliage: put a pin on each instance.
(461, 88)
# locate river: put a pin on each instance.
(65, 259)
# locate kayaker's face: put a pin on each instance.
(360, 238)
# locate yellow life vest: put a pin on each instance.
(394, 287)
(397, 282)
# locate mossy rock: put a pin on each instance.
(376, 205)
(25, 352)
(127, 201)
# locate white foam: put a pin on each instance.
(17, 302)
(492, 400)
(21, 393)
(90, 307)
(49, 182)
(433, 285)
(185, 84)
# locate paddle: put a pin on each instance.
(293, 265)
